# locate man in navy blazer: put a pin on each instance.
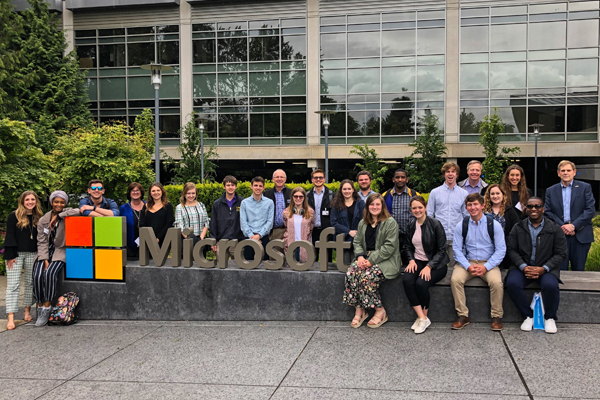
(571, 205)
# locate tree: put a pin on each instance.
(11, 60)
(114, 153)
(496, 158)
(425, 162)
(23, 166)
(189, 168)
(370, 163)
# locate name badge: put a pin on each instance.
(325, 212)
(137, 241)
(46, 231)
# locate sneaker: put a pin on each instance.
(43, 316)
(414, 326)
(550, 326)
(423, 324)
(527, 325)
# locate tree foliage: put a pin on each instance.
(496, 157)
(425, 162)
(23, 166)
(114, 153)
(11, 59)
(370, 163)
(189, 168)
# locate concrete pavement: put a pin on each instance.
(296, 360)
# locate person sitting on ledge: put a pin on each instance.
(377, 259)
(536, 248)
(97, 205)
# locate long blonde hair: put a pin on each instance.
(186, 188)
(21, 212)
(305, 207)
(487, 203)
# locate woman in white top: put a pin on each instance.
(299, 220)
(191, 213)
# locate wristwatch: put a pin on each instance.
(94, 208)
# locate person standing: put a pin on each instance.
(51, 253)
(397, 200)
(474, 183)
(157, 212)
(514, 186)
(347, 211)
(571, 205)
(256, 216)
(319, 199)
(20, 249)
(131, 212)
(479, 252)
(507, 216)
(536, 248)
(446, 203)
(364, 179)
(299, 220)
(96, 205)
(280, 195)
(191, 213)
(225, 215)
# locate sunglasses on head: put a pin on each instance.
(96, 187)
(532, 206)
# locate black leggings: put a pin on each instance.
(417, 289)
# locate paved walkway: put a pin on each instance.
(296, 360)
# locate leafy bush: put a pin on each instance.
(593, 259)
(596, 221)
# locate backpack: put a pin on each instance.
(64, 311)
(490, 228)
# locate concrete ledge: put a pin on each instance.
(233, 294)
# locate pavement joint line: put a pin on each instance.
(512, 395)
(294, 363)
(168, 382)
(516, 366)
(104, 359)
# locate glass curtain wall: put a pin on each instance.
(382, 72)
(250, 81)
(532, 64)
(117, 87)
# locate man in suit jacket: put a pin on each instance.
(280, 195)
(571, 205)
(319, 199)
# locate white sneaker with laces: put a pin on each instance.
(527, 325)
(414, 326)
(422, 325)
(550, 326)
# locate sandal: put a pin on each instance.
(377, 324)
(27, 317)
(360, 319)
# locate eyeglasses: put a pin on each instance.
(318, 178)
(96, 187)
(298, 197)
(532, 206)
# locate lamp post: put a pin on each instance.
(201, 127)
(326, 121)
(536, 134)
(156, 81)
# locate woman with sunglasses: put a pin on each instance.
(20, 249)
(515, 188)
(131, 211)
(51, 253)
(191, 213)
(425, 248)
(299, 220)
(157, 212)
(495, 204)
(376, 247)
(346, 212)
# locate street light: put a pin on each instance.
(201, 127)
(326, 121)
(156, 81)
(536, 134)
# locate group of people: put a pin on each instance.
(470, 226)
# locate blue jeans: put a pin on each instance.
(515, 286)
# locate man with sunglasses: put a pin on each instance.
(536, 248)
(319, 199)
(97, 205)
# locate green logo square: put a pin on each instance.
(109, 232)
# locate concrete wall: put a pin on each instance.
(90, 4)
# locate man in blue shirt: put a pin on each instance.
(536, 248)
(256, 216)
(479, 255)
(97, 205)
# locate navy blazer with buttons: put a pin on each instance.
(582, 209)
(339, 219)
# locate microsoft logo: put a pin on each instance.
(96, 248)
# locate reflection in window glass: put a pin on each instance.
(474, 76)
(140, 53)
(205, 85)
(294, 125)
(333, 45)
(169, 126)
(474, 38)
(232, 50)
(264, 48)
(113, 88)
(398, 122)
(293, 47)
(509, 37)
(233, 85)
(430, 78)
(553, 118)
(293, 83)
(398, 43)
(264, 125)
(583, 33)
(363, 123)
(91, 85)
(431, 41)
(582, 72)
(363, 44)
(471, 118)
(514, 119)
(508, 75)
(399, 79)
(233, 125)
(364, 80)
(168, 52)
(547, 35)
(582, 118)
(546, 73)
(112, 55)
(204, 51)
(333, 81)
(87, 56)
(169, 87)
(439, 113)
(264, 83)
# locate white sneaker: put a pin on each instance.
(550, 326)
(423, 324)
(414, 326)
(527, 325)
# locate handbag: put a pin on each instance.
(537, 305)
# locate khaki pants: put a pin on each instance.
(494, 280)
(229, 250)
(277, 233)
(450, 253)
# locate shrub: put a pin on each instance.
(593, 259)
(596, 221)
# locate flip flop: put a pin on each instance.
(377, 325)
(365, 315)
